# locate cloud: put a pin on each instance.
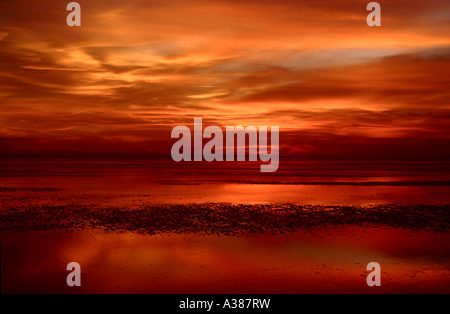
(135, 69)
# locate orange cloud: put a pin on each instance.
(135, 69)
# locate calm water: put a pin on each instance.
(319, 182)
(331, 261)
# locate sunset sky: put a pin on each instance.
(117, 85)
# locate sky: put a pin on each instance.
(118, 84)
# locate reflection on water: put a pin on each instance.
(301, 182)
(35, 262)
(329, 260)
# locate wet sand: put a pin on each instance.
(222, 218)
(312, 229)
(328, 261)
(225, 248)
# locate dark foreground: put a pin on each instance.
(224, 248)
